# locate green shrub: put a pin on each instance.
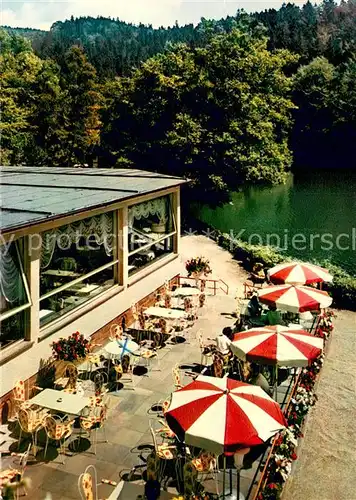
(342, 289)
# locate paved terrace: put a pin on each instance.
(128, 422)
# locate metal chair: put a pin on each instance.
(94, 422)
(176, 377)
(206, 465)
(7, 476)
(88, 484)
(30, 422)
(58, 429)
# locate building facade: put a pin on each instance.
(78, 248)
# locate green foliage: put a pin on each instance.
(50, 115)
(342, 288)
(217, 114)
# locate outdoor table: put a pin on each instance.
(185, 291)
(59, 273)
(45, 312)
(81, 289)
(163, 312)
(61, 401)
(115, 348)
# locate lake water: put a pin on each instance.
(312, 216)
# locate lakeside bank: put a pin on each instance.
(342, 289)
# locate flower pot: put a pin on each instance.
(159, 227)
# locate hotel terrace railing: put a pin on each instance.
(216, 284)
(254, 491)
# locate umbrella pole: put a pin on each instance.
(224, 476)
(238, 483)
(275, 381)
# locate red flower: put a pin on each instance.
(294, 456)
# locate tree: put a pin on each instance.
(79, 130)
(314, 116)
(218, 114)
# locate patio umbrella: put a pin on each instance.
(222, 415)
(277, 345)
(294, 298)
(298, 273)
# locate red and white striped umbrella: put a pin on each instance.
(222, 415)
(294, 298)
(277, 345)
(298, 273)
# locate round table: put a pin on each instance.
(115, 348)
(163, 312)
(185, 291)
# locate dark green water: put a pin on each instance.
(312, 216)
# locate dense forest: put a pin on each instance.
(225, 102)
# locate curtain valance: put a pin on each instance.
(158, 207)
(99, 228)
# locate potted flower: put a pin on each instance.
(198, 267)
(160, 225)
(72, 349)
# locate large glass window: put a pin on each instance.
(77, 263)
(14, 293)
(152, 227)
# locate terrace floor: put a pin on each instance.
(127, 425)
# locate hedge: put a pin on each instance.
(342, 288)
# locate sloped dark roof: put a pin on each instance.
(30, 195)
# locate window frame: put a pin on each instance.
(113, 263)
(165, 236)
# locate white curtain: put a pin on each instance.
(158, 207)
(99, 228)
(11, 283)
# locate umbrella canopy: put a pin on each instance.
(294, 298)
(277, 345)
(298, 273)
(222, 415)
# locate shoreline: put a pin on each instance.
(342, 288)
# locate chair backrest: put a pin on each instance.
(28, 420)
(153, 434)
(157, 340)
(54, 426)
(134, 311)
(142, 320)
(95, 401)
(165, 405)
(176, 376)
(116, 332)
(125, 363)
(168, 300)
(87, 484)
(199, 337)
(188, 304)
(218, 365)
(24, 458)
(206, 461)
(19, 390)
(163, 325)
